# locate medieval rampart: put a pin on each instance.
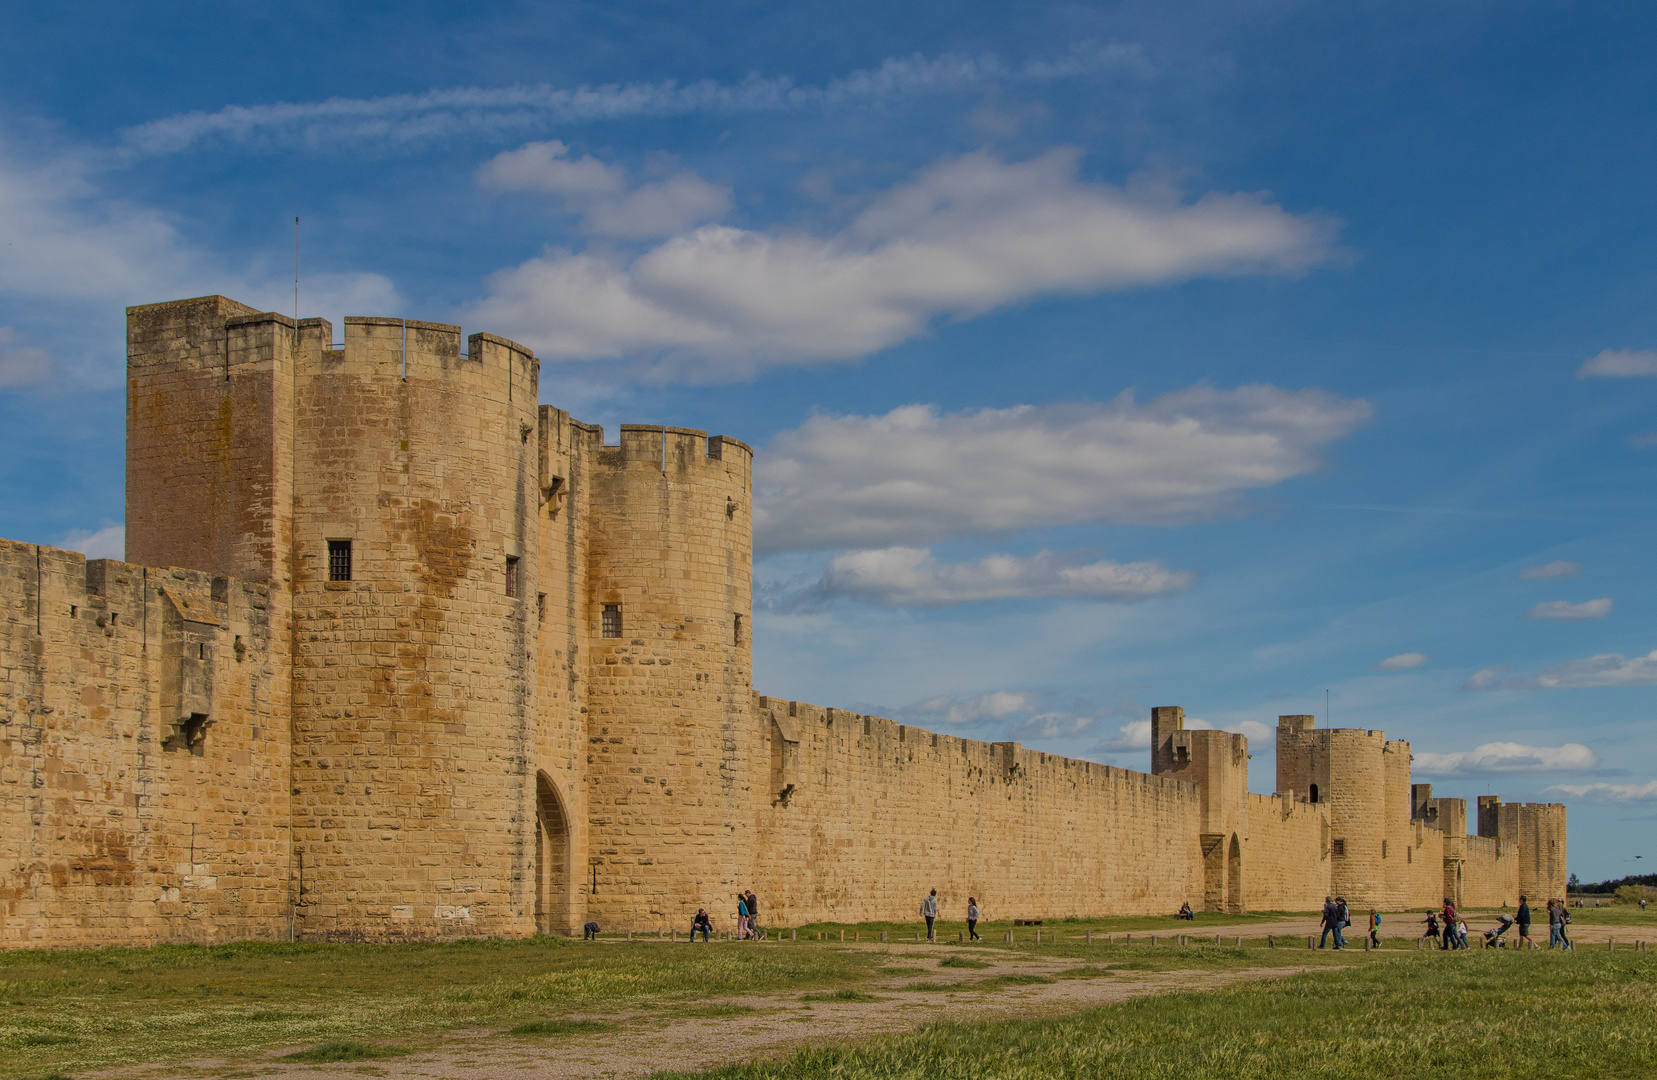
(444, 664)
(143, 755)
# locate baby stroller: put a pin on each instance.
(1493, 936)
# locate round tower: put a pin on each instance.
(1357, 814)
(670, 737)
(414, 486)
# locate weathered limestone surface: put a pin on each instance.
(455, 740)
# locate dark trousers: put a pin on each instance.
(972, 930)
(703, 929)
(929, 920)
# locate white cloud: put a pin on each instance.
(968, 235)
(1052, 726)
(972, 710)
(1620, 363)
(109, 542)
(1403, 661)
(21, 364)
(600, 192)
(1610, 793)
(1133, 736)
(1488, 678)
(1565, 611)
(437, 116)
(1506, 757)
(1557, 570)
(912, 577)
(1609, 669)
(915, 475)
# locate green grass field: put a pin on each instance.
(67, 1012)
(1485, 1015)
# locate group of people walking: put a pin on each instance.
(1337, 917)
(1449, 930)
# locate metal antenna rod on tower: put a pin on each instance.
(1326, 708)
(296, 268)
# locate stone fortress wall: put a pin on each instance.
(528, 701)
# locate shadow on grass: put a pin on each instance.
(561, 1027)
(345, 1050)
(705, 1012)
(1016, 980)
(840, 995)
(962, 962)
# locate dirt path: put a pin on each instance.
(647, 1042)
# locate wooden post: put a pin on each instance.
(1216, 939)
(883, 935)
(857, 935)
(1127, 939)
(1153, 941)
(1271, 941)
(1090, 937)
(1038, 937)
(1309, 944)
(794, 935)
(629, 935)
(1239, 941)
(842, 937)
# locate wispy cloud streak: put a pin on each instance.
(485, 112)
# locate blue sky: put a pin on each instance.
(1239, 356)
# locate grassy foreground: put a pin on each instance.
(68, 1011)
(1446, 1016)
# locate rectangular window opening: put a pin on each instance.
(1383, 849)
(1337, 847)
(736, 635)
(339, 560)
(611, 624)
(512, 575)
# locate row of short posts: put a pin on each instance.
(1110, 939)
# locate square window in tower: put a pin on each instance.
(512, 575)
(339, 560)
(611, 622)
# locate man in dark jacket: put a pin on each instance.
(1524, 924)
(1343, 919)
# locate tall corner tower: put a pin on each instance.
(209, 437)
(670, 672)
(415, 486)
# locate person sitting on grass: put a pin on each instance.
(702, 923)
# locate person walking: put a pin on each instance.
(1449, 917)
(1343, 919)
(972, 919)
(1523, 919)
(1564, 921)
(1374, 929)
(753, 916)
(741, 917)
(929, 909)
(1330, 913)
(1432, 925)
(702, 923)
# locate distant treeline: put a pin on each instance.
(1613, 886)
